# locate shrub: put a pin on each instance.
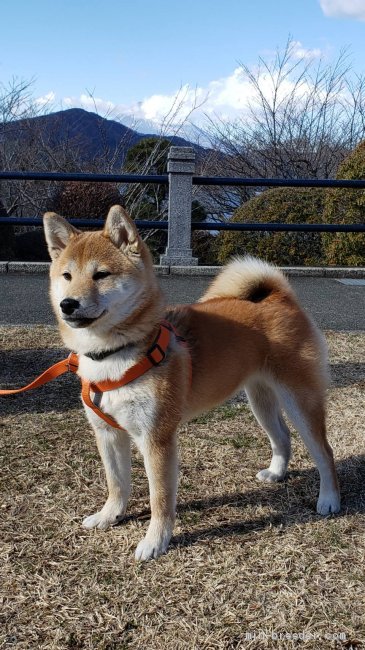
(6, 237)
(203, 246)
(84, 200)
(77, 200)
(279, 205)
(31, 246)
(346, 206)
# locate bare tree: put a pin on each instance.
(15, 104)
(15, 100)
(302, 119)
(25, 144)
(154, 162)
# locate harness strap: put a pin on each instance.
(85, 394)
(155, 355)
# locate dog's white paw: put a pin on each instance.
(97, 521)
(153, 544)
(267, 476)
(148, 549)
(110, 514)
(328, 504)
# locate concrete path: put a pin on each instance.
(333, 305)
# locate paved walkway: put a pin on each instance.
(333, 305)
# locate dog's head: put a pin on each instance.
(98, 279)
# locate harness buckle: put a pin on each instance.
(156, 354)
(72, 362)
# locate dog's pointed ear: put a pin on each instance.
(58, 233)
(122, 232)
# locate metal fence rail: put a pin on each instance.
(84, 177)
(163, 179)
(180, 178)
(201, 225)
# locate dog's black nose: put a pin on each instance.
(68, 305)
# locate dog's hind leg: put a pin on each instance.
(306, 410)
(115, 451)
(265, 406)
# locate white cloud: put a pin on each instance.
(300, 52)
(46, 99)
(155, 109)
(228, 98)
(89, 103)
(161, 107)
(344, 8)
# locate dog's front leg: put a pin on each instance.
(115, 451)
(160, 459)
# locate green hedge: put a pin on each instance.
(279, 205)
(346, 206)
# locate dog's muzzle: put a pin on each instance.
(69, 305)
(69, 308)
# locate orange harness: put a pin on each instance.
(155, 355)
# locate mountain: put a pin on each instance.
(86, 135)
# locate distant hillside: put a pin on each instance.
(88, 135)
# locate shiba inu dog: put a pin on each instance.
(247, 331)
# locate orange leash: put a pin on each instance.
(155, 355)
(70, 364)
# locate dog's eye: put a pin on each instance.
(100, 275)
(67, 276)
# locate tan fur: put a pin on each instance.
(246, 331)
(241, 276)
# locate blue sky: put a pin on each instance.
(135, 55)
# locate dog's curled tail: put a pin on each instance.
(248, 278)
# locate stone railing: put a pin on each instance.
(180, 169)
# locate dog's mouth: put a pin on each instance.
(81, 321)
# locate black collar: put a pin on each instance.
(99, 356)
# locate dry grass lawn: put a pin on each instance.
(250, 565)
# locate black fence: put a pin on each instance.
(163, 179)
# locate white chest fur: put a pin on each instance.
(133, 406)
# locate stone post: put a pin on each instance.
(180, 168)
